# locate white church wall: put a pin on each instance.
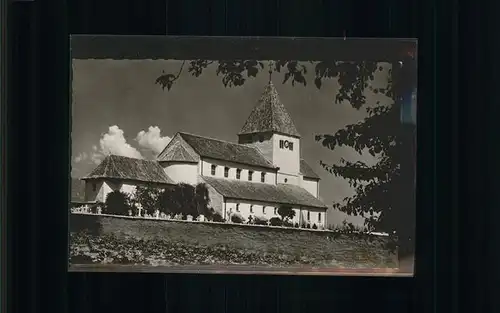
(250, 208)
(288, 179)
(181, 172)
(310, 185)
(94, 190)
(314, 216)
(206, 170)
(286, 156)
(98, 190)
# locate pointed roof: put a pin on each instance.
(120, 167)
(270, 115)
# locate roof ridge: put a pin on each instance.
(215, 139)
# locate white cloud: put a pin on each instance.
(152, 139)
(81, 157)
(114, 142)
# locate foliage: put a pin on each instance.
(260, 220)
(148, 197)
(186, 199)
(286, 212)
(237, 218)
(275, 221)
(217, 217)
(384, 191)
(118, 203)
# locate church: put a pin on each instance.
(253, 176)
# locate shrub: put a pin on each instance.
(287, 223)
(117, 202)
(237, 218)
(296, 225)
(216, 217)
(286, 212)
(308, 226)
(276, 221)
(260, 220)
(148, 197)
(314, 226)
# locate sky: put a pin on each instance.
(118, 109)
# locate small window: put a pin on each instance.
(263, 209)
(214, 167)
(308, 216)
(238, 173)
(251, 208)
(262, 177)
(286, 180)
(250, 175)
(94, 187)
(275, 211)
(226, 172)
(237, 207)
(319, 217)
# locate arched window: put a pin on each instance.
(237, 207)
(213, 169)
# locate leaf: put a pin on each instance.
(287, 76)
(317, 82)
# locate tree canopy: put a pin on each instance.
(384, 191)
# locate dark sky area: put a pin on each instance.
(118, 108)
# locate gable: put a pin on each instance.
(178, 150)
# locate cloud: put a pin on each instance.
(152, 139)
(81, 157)
(114, 142)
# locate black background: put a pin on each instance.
(457, 242)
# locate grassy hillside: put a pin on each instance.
(117, 240)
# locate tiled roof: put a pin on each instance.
(120, 167)
(226, 151)
(307, 171)
(178, 150)
(279, 194)
(270, 115)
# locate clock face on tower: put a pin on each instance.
(287, 145)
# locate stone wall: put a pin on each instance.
(169, 242)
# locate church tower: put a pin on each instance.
(270, 128)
